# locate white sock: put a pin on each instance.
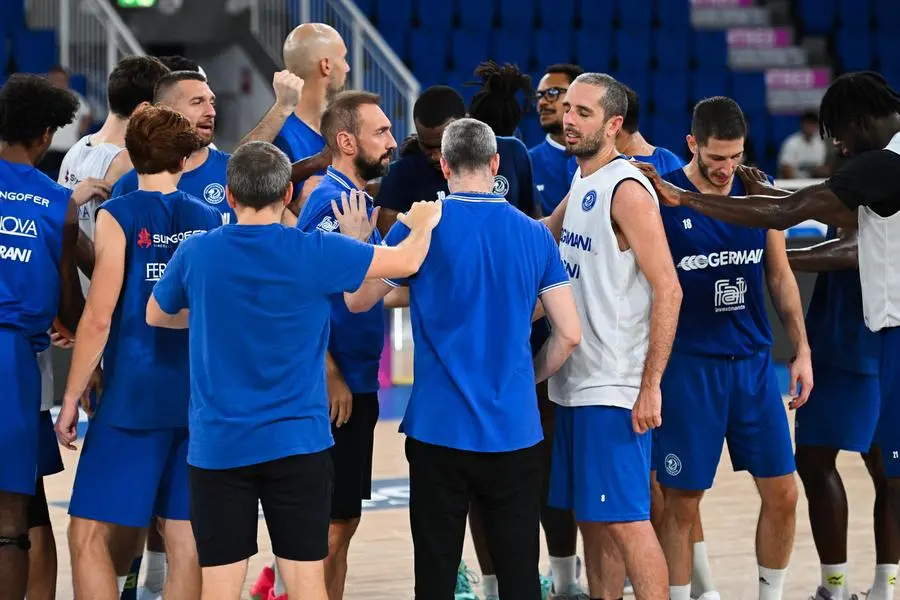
(680, 592)
(563, 570)
(771, 583)
(489, 585)
(701, 574)
(279, 582)
(121, 581)
(156, 567)
(834, 579)
(883, 586)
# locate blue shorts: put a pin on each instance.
(20, 411)
(709, 400)
(49, 459)
(600, 466)
(887, 436)
(128, 476)
(842, 411)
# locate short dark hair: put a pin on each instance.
(569, 70)
(810, 116)
(342, 114)
(633, 113)
(854, 98)
(132, 82)
(258, 175)
(179, 63)
(30, 105)
(495, 103)
(173, 78)
(437, 105)
(615, 100)
(158, 139)
(718, 117)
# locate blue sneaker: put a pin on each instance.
(465, 577)
(546, 587)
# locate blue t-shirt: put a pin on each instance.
(298, 140)
(471, 304)
(32, 215)
(145, 369)
(259, 302)
(838, 336)
(550, 162)
(721, 269)
(206, 182)
(357, 340)
(664, 161)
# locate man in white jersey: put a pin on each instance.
(608, 392)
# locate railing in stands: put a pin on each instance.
(373, 65)
(92, 38)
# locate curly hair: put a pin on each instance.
(30, 105)
(495, 103)
(158, 139)
(854, 98)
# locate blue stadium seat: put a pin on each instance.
(886, 50)
(749, 89)
(855, 15)
(554, 13)
(368, 7)
(428, 52)
(13, 12)
(893, 78)
(758, 131)
(596, 15)
(394, 14)
(633, 48)
(511, 46)
(476, 15)
(670, 91)
(397, 39)
(78, 83)
(553, 46)
(887, 17)
(674, 14)
(854, 49)
(671, 47)
(456, 81)
(34, 51)
(434, 16)
(710, 49)
(639, 81)
(669, 131)
(782, 127)
(468, 49)
(531, 130)
(636, 15)
(593, 52)
(517, 13)
(817, 16)
(706, 83)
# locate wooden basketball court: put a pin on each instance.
(381, 554)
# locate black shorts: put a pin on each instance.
(296, 496)
(352, 458)
(38, 511)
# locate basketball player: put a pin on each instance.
(720, 383)
(472, 424)
(140, 426)
(615, 251)
(38, 279)
(260, 420)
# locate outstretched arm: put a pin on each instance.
(832, 255)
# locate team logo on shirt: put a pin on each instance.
(501, 185)
(589, 200)
(214, 193)
(164, 240)
(673, 465)
(730, 295)
(143, 240)
(694, 262)
(17, 227)
(328, 225)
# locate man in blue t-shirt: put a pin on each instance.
(204, 174)
(473, 426)
(138, 432)
(359, 135)
(259, 417)
(720, 383)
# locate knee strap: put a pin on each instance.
(21, 542)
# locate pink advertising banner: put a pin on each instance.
(721, 3)
(758, 38)
(798, 79)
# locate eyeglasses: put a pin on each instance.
(551, 93)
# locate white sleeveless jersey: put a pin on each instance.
(82, 161)
(612, 295)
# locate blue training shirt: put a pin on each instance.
(298, 140)
(550, 163)
(838, 336)
(357, 340)
(471, 304)
(259, 301)
(206, 182)
(145, 369)
(32, 215)
(721, 269)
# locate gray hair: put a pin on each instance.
(258, 175)
(468, 145)
(615, 100)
